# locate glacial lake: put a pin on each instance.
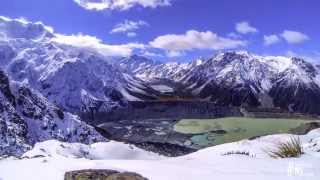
(205, 132)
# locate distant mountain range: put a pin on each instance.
(77, 79)
(239, 78)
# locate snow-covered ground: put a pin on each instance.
(211, 163)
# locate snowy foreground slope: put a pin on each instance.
(211, 163)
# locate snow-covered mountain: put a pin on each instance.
(74, 78)
(79, 79)
(149, 70)
(238, 78)
(26, 117)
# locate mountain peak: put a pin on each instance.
(23, 29)
(139, 58)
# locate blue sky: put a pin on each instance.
(183, 29)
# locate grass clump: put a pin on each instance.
(290, 149)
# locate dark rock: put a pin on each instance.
(60, 113)
(305, 128)
(34, 157)
(126, 176)
(166, 149)
(257, 137)
(152, 135)
(297, 97)
(100, 174)
(88, 174)
(220, 131)
(5, 88)
(114, 95)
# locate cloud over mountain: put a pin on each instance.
(94, 43)
(193, 39)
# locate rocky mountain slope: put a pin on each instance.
(241, 78)
(149, 70)
(26, 117)
(74, 78)
(80, 79)
(237, 79)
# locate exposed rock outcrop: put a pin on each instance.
(305, 128)
(92, 174)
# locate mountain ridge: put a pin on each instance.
(63, 73)
(26, 117)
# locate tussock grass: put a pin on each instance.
(290, 149)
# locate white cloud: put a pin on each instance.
(94, 43)
(131, 34)
(25, 21)
(245, 28)
(294, 37)
(175, 53)
(22, 25)
(100, 5)
(271, 39)
(128, 27)
(151, 54)
(195, 40)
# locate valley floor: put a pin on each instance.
(50, 160)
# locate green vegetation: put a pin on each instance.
(236, 128)
(292, 148)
